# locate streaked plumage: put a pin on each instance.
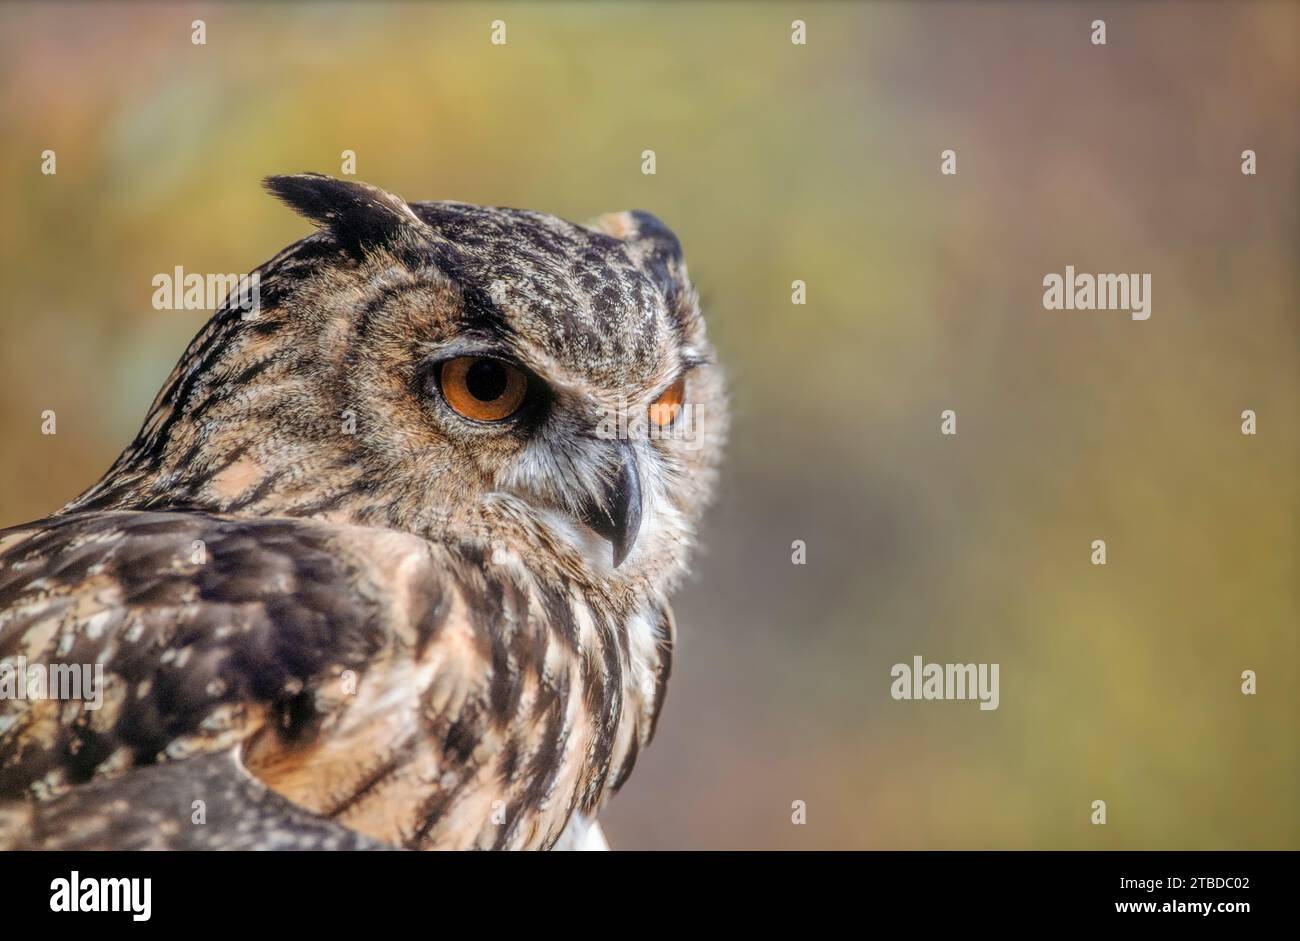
(397, 628)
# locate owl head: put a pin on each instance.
(495, 377)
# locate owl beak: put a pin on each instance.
(618, 516)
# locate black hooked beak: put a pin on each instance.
(618, 518)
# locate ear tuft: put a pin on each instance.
(640, 228)
(651, 243)
(360, 216)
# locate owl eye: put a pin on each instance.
(665, 409)
(482, 389)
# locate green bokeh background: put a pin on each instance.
(779, 162)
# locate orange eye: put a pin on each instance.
(482, 389)
(665, 409)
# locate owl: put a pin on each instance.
(389, 563)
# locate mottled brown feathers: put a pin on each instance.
(335, 608)
(367, 676)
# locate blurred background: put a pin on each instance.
(778, 162)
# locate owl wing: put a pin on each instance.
(336, 664)
(207, 802)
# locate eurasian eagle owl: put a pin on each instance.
(389, 562)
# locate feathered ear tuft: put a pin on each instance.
(360, 216)
(651, 242)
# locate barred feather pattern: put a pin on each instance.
(425, 696)
(332, 612)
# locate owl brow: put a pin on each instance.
(689, 361)
(480, 314)
(473, 343)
